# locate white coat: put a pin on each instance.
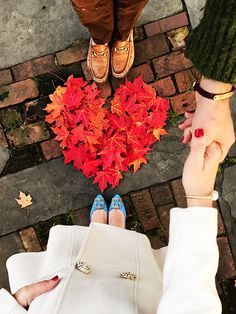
(177, 279)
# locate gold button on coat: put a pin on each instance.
(128, 275)
(83, 267)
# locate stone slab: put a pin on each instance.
(195, 10)
(226, 212)
(229, 188)
(156, 10)
(232, 152)
(9, 245)
(230, 224)
(57, 188)
(41, 27)
(4, 156)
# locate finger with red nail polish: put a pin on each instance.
(199, 133)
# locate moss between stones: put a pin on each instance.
(11, 118)
(4, 95)
(19, 136)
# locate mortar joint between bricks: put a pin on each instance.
(135, 214)
(154, 72)
(185, 9)
(12, 75)
(154, 205)
(175, 84)
(231, 251)
(40, 150)
(55, 59)
(144, 30)
(172, 190)
(168, 42)
(222, 217)
(133, 209)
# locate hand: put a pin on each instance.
(213, 116)
(27, 294)
(200, 169)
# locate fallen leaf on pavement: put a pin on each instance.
(177, 37)
(24, 200)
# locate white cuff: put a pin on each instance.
(194, 220)
(9, 305)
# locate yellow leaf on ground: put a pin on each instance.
(158, 132)
(60, 90)
(177, 36)
(24, 200)
(137, 163)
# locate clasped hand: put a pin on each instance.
(213, 116)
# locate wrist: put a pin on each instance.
(215, 86)
(199, 203)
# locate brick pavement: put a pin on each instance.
(24, 91)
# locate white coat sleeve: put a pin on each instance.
(9, 305)
(191, 263)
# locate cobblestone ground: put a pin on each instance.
(26, 141)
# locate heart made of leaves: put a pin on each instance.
(103, 143)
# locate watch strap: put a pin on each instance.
(204, 93)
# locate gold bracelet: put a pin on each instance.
(213, 196)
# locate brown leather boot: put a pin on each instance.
(98, 61)
(122, 56)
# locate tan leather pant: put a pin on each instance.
(107, 18)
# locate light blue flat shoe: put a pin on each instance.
(117, 203)
(98, 204)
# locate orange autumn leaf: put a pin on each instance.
(53, 107)
(158, 132)
(98, 119)
(137, 163)
(24, 200)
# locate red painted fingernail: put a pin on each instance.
(191, 111)
(199, 133)
(55, 278)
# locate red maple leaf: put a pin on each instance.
(116, 141)
(55, 110)
(115, 176)
(98, 119)
(72, 98)
(121, 123)
(62, 135)
(90, 167)
(78, 134)
(110, 157)
(116, 105)
(82, 116)
(135, 134)
(76, 154)
(102, 178)
(147, 95)
(75, 82)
